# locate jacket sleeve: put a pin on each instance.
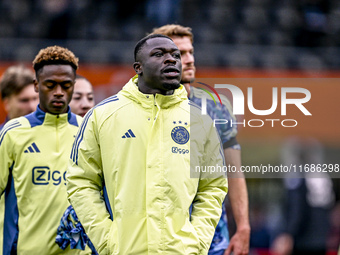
(85, 184)
(6, 159)
(212, 189)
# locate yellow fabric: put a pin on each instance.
(38, 174)
(147, 180)
(2, 215)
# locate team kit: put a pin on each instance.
(121, 179)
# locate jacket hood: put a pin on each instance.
(131, 91)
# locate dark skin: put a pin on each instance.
(158, 67)
(55, 84)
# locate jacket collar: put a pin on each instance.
(131, 91)
(40, 117)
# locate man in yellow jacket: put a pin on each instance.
(34, 152)
(152, 154)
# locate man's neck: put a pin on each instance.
(187, 88)
(149, 90)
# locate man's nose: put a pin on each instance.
(170, 58)
(58, 91)
(85, 103)
(187, 58)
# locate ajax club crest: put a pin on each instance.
(180, 135)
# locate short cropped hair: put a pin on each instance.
(14, 80)
(141, 42)
(55, 55)
(174, 30)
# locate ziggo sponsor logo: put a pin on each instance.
(179, 150)
(42, 175)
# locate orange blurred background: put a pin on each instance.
(324, 124)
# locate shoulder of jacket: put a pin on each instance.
(196, 116)
(193, 107)
(111, 102)
(79, 120)
(109, 106)
(17, 123)
(226, 104)
(198, 93)
(13, 126)
(225, 100)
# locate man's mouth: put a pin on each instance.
(188, 69)
(171, 71)
(58, 103)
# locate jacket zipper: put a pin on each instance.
(57, 133)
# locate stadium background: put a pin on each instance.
(233, 39)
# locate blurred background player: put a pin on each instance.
(19, 99)
(83, 98)
(238, 195)
(309, 198)
(17, 92)
(34, 152)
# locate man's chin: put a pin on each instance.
(171, 86)
(187, 79)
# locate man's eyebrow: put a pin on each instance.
(80, 93)
(165, 49)
(53, 81)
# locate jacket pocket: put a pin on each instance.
(191, 242)
(112, 241)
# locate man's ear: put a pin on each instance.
(138, 68)
(36, 87)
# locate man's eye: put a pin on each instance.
(177, 55)
(67, 85)
(158, 54)
(76, 98)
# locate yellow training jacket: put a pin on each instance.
(34, 152)
(141, 147)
